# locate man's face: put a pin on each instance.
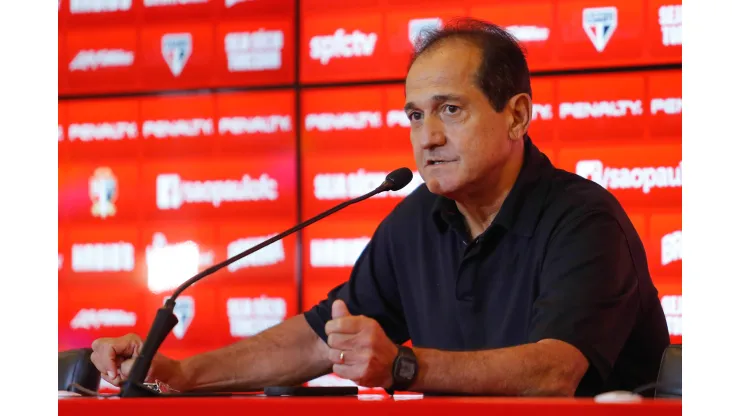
(460, 142)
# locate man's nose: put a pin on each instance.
(432, 134)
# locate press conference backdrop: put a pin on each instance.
(191, 130)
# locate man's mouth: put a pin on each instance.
(438, 161)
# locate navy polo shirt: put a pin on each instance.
(561, 260)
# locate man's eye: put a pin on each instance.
(452, 109)
(415, 116)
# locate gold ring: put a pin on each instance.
(341, 356)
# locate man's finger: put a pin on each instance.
(340, 341)
(346, 357)
(345, 325)
(344, 371)
(339, 309)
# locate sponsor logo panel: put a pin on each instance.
(196, 313)
(178, 125)
(665, 25)
(329, 181)
(671, 298)
(343, 48)
(600, 33)
(168, 10)
(177, 55)
(665, 104)
(100, 193)
(532, 24)
(256, 121)
(102, 60)
(255, 53)
(102, 127)
(601, 107)
(103, 256)
(246, 310)
(665, 249)
(544, 110)
(644, 176)
(203, 188)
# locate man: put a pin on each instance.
(508, 276)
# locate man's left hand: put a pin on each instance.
(359, 348)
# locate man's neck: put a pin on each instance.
(480, 208)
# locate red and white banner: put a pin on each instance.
(542, 128)
(177, 56)
(178, 125)
(256, 122)
(639, 176)
(665, 252)
(245, 309)
(100, 60)
(200, 188)
(195, 310)
(102, 128)
(98, 194)
(343, 48)
(671, 298)
(664, 105)
(169, 10)
(254, 52)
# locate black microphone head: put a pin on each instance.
(398, 178)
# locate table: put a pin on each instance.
(363, 405)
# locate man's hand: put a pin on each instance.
(114, 357)
(360, 350)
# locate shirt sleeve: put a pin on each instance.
(370, 291)
(588, 293)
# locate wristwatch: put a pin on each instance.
(405, 369)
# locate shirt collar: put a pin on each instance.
(521, 208)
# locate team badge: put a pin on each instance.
(600, 24)
(176, 50)
(103, 190)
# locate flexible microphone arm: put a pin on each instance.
(165, 319)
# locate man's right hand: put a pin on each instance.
(114, 357)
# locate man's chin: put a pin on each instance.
(441, 187)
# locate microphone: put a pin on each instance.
(165, 318)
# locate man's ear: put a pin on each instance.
(520, 115)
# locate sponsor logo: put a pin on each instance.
(267, 256)
(169, 265)
(330, 186)
(342, 45)
(580, 110)
(359, 120)
(254, 51)
(103, 191)
(176, 50)
(98, 6)
(670, 106)
(528, 33)
(420, 26)
(116, 130)
(173, 191)
(102, 318)
(671, 248)
(673, 309)
(644, 178)
(336, 252)
(670, 18)
(230, 3)
(542, 111)
(397, 118)
(92, 60)
(185, 312)
(192, 127)
(103, 257)
(159, 3)
(600, 24)
(250, 316)
(258, 124)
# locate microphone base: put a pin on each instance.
(131, 389)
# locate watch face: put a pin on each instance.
(406, 368)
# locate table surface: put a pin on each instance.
(364, 404)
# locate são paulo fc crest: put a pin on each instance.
(184, 311)
(600, 24)
(176, 50)
(103, 191)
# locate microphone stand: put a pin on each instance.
(165, 318)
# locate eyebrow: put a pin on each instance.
(436, 99)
